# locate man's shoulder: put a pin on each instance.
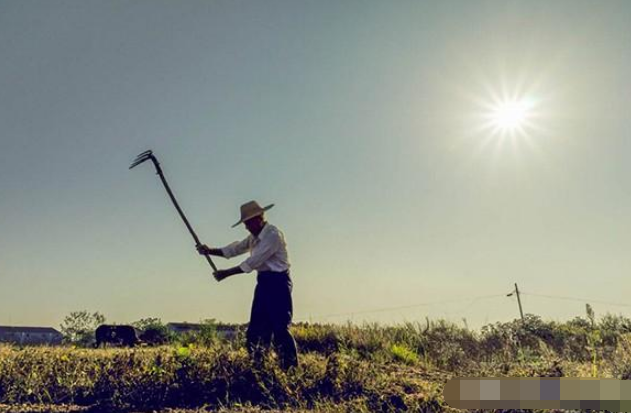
(271, 230)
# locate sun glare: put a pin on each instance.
(509, 119)
(510, 116)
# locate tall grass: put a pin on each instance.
(369, 367)
(200, 376)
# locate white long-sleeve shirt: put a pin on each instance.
(268, 251)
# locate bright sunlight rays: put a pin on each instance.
(510, 116)
(509, 119)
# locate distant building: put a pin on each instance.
(227, 332)
(182, 328)
(223, 331)
(30, 335)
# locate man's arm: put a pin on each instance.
(223, 274)
(205, 250)
(219, 274)
(229, 251)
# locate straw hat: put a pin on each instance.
(250, 210)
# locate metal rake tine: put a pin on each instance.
(135, 164)
(145, 156)
(138, 161)
(144, 153)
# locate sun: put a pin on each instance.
(508, 119)
(510, 116)
(506, 111)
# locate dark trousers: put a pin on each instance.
(272, 310)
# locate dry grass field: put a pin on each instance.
(367, 368)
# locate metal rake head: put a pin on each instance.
(145, 156)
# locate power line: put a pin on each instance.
(469, 305)
(386, 309)
(585, 300)
(470, 300)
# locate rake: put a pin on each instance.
(149, 156)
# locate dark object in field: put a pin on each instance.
(155, 336)
(119, 335)
(149, 156)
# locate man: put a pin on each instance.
(272, 306)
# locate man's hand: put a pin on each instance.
(204, 249)
(221, 274)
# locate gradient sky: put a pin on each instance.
(363, 121)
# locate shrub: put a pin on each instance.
(316, 337)
(78, 327)
(403, 354)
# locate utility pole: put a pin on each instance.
(521, 311)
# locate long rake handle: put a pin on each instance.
(179, 210)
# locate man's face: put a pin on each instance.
(254, 225)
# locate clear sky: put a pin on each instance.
(365, 122)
